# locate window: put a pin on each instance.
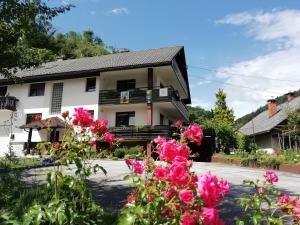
(125, 119)
(3, 90)
(90, 84)
(161, 119)
(56, 100)
(92, 113)
(124, 85)
(31, 117)
(37, 89)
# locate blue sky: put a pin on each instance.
(236, 42)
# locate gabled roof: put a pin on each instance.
(125, 60)
(263, 123)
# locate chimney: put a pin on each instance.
(272, 107)
(290, 96)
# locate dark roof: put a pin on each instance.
(52, 122)
(263, 123)
(151, 57)
(91, 66)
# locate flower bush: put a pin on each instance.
(267, 205)
(168, 192)
(70, 200)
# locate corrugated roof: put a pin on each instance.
(262, 123)
(105, 62)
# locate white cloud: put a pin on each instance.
(249, 89)
(203, 104)
(118, 11)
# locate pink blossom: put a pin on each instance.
(211, 216)
(284, 199)
(150, 197)
(122, 139)
(186, 196)
(210, 189)
(170, 193)
(92, 142)
(109, 137)
(161, 173)
(183, 150)
(82, 117)
(99, 127)
(159, 140)
(37, 117)
(57, 146)
(167, 150)
(138, 167)
(178, 123)
(178, 174)
(65, 114)
(194, 133)
(271, 176)
(187, 219)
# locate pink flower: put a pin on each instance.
(284, 199)
(178, 174)
(161, 173)
(167, 150)
(183, 150)
(211, 216)
(150, 197)
(122, 139)
(271, 176)
(57, 146)
(186, 196)
(187, 219)
(210, 189)
(65, 114)
(159, 140)
(138, 167)
(194, 133)
(37, 117)
(92, 142)
(178, 123)
(82, 117)
(99, 127)
(109, 137)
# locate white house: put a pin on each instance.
(139, 93)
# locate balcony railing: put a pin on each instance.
(143, 95)
(145, 133)
(8, 103)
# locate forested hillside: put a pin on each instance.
(245, 119)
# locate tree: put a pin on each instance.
(223, 122)
(73, 45)
(200, 116)
(25, 34)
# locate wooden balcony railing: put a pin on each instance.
(8, 103)
(143, 95)
(146, 133)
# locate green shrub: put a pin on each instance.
(104, 154)
(136, 150)
(119, 153)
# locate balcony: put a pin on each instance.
(143, 95)
(145, 133)
(8, 103)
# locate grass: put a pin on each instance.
(20, 162)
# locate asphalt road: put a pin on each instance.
(111, 191)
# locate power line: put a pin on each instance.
(241, 75)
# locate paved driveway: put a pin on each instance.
(111, 190)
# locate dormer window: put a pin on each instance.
(90, 84)
(37, 89)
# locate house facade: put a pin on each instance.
(268, 129)
(141, 94)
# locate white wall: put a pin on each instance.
(74, 95)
